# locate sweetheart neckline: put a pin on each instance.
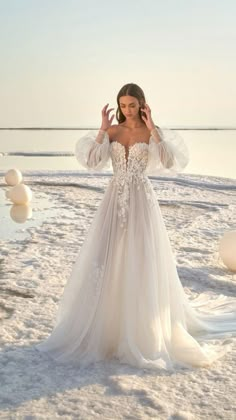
(126, 156)
(130, 145)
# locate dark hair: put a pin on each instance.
(130, 89)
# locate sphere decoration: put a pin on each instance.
(13, 177)
(20, 194)
(20, 213)
(227, 249)
(7, 194)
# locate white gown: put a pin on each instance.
(124, 298)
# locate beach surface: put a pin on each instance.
(36, 258)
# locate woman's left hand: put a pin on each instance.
(147, 118)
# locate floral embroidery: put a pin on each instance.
(97, 272)
(129, 171)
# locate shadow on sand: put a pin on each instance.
(27, 374)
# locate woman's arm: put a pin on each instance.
(165, 153)
(155, 134)
(104, 130)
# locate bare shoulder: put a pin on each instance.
(113, 130)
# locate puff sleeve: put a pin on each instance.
(91, 154)
(169, 156)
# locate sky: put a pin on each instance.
(62, 61)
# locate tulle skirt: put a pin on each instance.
(124, 298)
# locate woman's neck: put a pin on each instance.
(132, 124)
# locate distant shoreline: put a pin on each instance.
(97, 128)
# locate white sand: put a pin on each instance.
(34, 269)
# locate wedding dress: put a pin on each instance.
(124, 298)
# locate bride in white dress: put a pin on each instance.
(124, 298)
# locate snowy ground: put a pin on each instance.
(35, 263)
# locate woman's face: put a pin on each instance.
(129, 106)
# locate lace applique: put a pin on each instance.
(130, 171)
(97, 271)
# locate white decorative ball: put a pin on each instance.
(20, 212)
(20, 194)
(7, 194)
(227, 249)
(13, 177)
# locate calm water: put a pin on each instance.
(211, 152)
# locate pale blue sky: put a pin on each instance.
(61, 61)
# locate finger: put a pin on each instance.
(148, 109)
(105, 107)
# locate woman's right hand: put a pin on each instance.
(106, 118)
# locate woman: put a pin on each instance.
(124, 298)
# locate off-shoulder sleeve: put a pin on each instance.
(169, 156)
(92, 154)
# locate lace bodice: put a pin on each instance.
(129, 164)
(129, 159)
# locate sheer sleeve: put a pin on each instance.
(90, 153)
(169, 156)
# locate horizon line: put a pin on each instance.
(174, 127)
